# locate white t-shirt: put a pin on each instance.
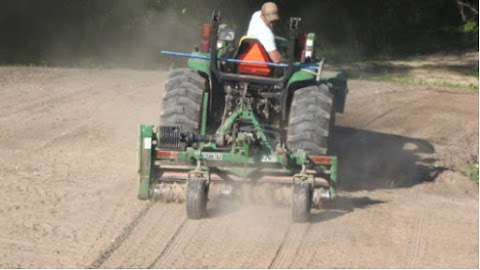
(259, 29)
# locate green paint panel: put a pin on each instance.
(199, 65)
(329, 75)
(301, 75)
(203, 128)
(146, 162)
(333, 177)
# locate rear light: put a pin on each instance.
(206, 32)
(300, 47)
(309, 46)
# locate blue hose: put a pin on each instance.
(232, 60)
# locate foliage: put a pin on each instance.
(36, 31)
(470, 27)
(472, 171)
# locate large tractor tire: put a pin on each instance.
(311, 120)
(177, 76)
(182, 101)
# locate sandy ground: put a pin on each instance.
(68, 182)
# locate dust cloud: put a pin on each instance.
(108, 34)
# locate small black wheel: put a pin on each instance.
(302, 201)
(197, 197)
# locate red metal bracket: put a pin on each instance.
(321, 160)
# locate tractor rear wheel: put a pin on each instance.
(311, 120)
(177, 76)
(182, 100)
(302, 201)
(197, 197)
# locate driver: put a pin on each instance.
(261, 26)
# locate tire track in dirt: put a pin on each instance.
(280, 247)
(418, 241)
(178, 253)
(290, 246)
(150, 239)
(118, 241)
(169, 243)
(241, 238)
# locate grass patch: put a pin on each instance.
(406, 80)
(472, 171)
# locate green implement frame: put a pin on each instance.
(241, 160)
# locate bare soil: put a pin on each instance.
(68, 182)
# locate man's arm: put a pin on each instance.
(275, 56)
(271, 47)
(267, 39)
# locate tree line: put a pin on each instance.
(62, 32)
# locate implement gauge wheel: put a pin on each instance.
(197, 197)
(302, 201)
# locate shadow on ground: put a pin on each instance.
(340, 206)
(372, 160)
(368, 160)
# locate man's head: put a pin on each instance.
(270, 13)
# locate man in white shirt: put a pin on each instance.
(260, 27)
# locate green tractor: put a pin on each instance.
(235, 117)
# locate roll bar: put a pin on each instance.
(226, 76)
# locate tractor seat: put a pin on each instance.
(250, 49)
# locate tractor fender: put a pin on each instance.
(337, 82)
(201, 66)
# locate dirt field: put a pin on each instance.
(68, 182)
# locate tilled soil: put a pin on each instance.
(68, 165)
